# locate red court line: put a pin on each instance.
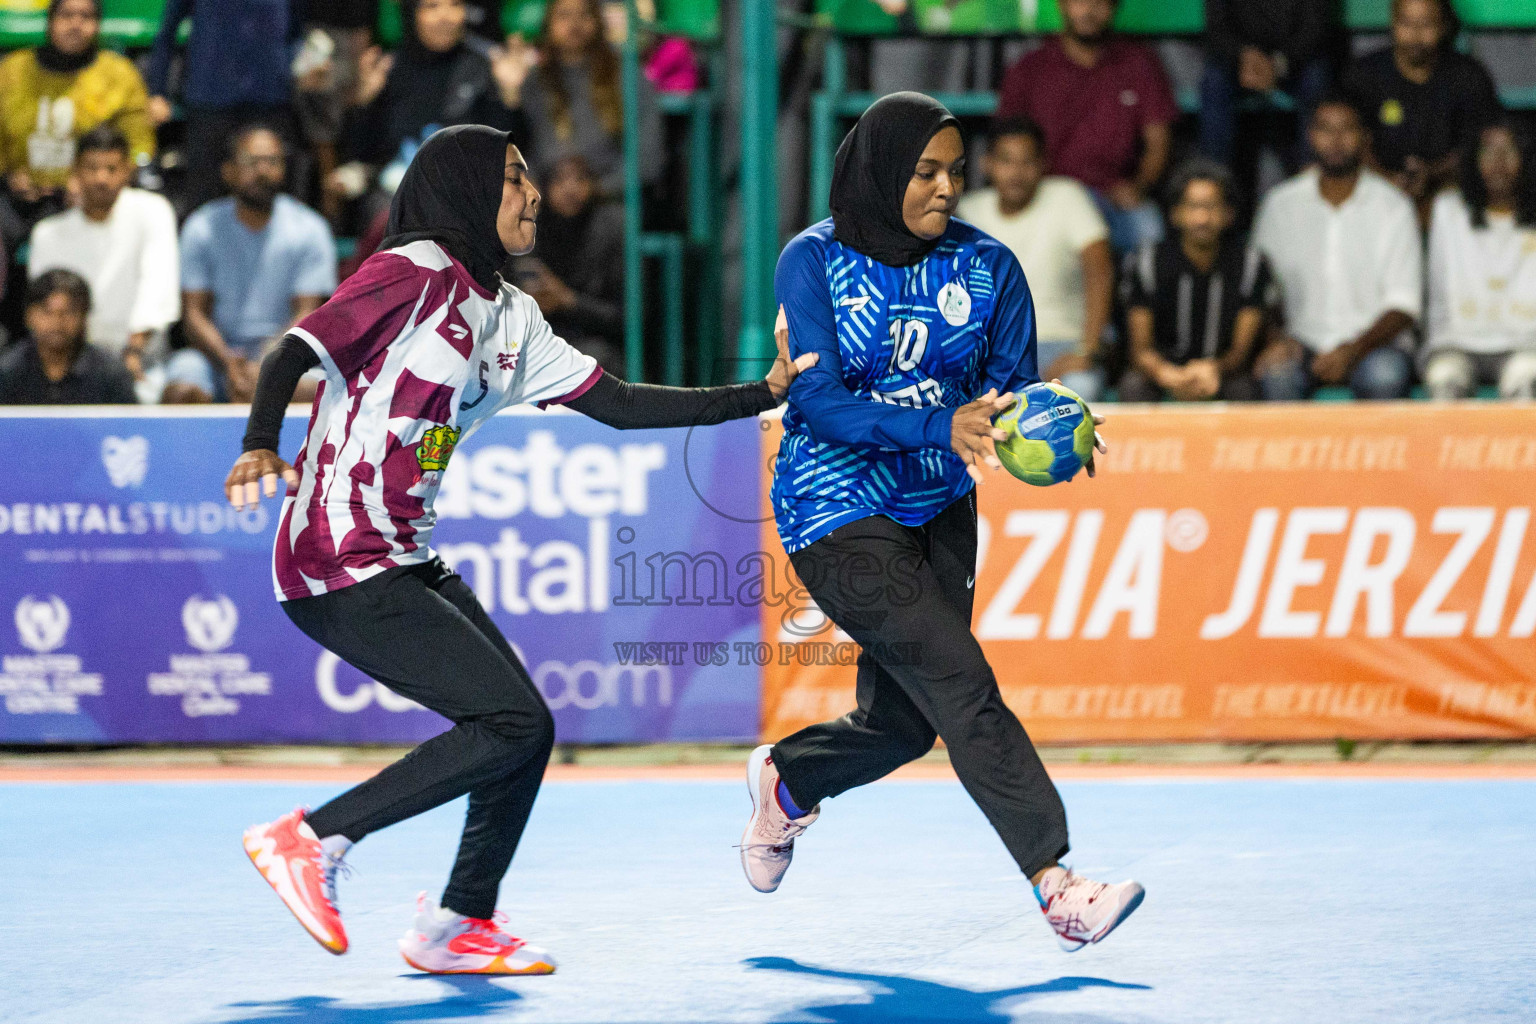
(10, 774)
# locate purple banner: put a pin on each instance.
(142, 610)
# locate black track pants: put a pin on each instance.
(904, 594)
(420, 631)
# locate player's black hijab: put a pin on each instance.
(874, 165)
(451, 194)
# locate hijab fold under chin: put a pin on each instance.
(451, 194)
(874, 165)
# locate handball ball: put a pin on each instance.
(1050, 435)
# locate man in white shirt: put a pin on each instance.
(1343, 244)
(1054, 229)
(1481, 323)
(123, 242)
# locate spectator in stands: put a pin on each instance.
(576, 270)
(1264, 46)
(325, 71)
(573, 100)
(1344, 247)
(55, 365)
(1052, 225)
(122, 241)
(1481, 322)
(1106, 108)
(1424, 103)
(441, 76)
(252, 264)
(1195, 303)
(484, 19)
(55, 93)
(236, 72)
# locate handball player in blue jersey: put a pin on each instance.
(924, 329)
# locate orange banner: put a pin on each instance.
(1244, 573)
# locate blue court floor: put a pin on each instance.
(1267, 901)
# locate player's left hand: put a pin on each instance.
(1098, 441)
(785, 369)
(257, 471)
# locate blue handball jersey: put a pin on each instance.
(867, 428)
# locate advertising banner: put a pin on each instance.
(1254, 573)
(137, 606)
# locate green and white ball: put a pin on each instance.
(1050, 435)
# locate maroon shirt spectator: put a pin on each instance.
(1093, 115)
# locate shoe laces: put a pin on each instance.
(330, 867)
(494, 927)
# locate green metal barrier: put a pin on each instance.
(759, 187)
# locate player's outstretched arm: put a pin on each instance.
(629, 406)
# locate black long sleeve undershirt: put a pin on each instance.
(280, 373)
(630, 406)
(609, 400)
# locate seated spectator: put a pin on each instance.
(441, 76)
(1102, 101)
(1195, 302)
(55, 365)
(1264, 46)
(1051, 224)
(576, 271)
(1481, 322)
(55, 93)
(122, 241)
(236, 71)
(325, 74)
(574, 105)
(252, 265)
(1423, 102)
(1344, 247)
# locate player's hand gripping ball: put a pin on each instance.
(1050, 435)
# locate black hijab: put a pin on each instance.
(451, 194)
(50, 58)
(874, 165)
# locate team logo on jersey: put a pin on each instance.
(955, 303)
(436, 447)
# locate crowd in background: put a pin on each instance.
(1402, 248)
(287, 126)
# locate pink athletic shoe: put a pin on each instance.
(1081, 911)
(287, 853)
(442, 942)
(768, 842)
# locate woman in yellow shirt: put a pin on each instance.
(55, 93)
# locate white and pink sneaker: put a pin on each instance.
(1081, 911)
(768, 844)
(289, 856)
(442, 942)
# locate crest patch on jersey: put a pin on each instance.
(436, 447)
(955, 303)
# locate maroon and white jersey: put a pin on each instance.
(416, 356)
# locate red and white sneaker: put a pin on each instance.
(1081, 911)
(442, 942)
(288, 854)
(768, 843)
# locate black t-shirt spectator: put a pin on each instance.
(1407, 119)
(342, 13)
(95, 378)
(1193, 311)
(483, 17)
(1300, 29)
